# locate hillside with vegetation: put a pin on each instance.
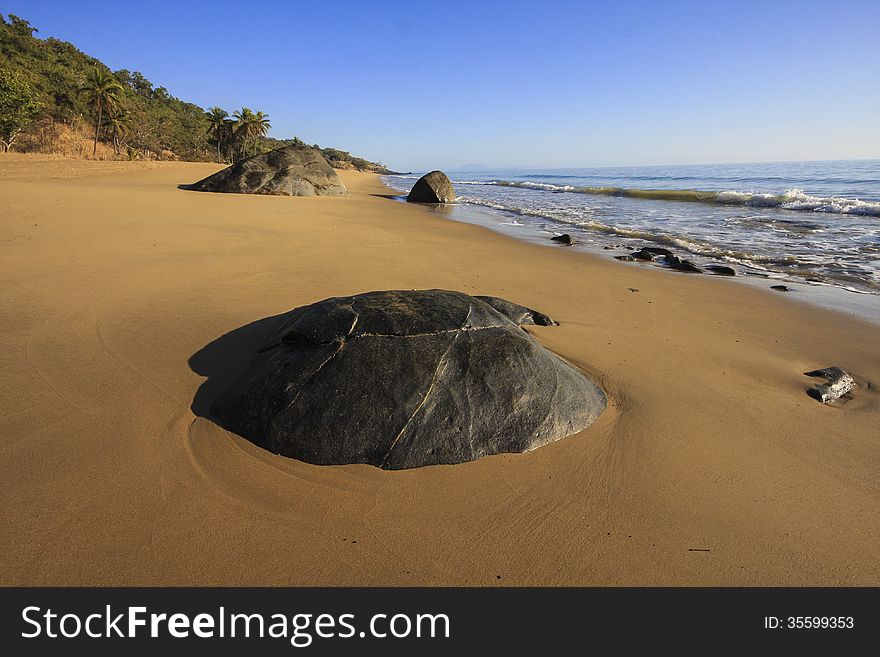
(56, 99)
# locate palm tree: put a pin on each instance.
(243, 126)
(218, 127)
(261, 126)
(119, 121)
(102, 91)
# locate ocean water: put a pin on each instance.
(810, 223)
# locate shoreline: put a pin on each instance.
(859, 306)
(709, 442)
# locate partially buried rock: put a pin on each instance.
(403, 379)
(674, 262)
(721, 270)
(295, 170)
(565, 239)
(434, 187)
(643, 254)
(656, 250)
(838, 383)
(780, 288)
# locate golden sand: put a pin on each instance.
(710, 466)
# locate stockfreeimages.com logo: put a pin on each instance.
(300, 629)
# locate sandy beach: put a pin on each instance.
(710, 466)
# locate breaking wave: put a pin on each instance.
(793, 199)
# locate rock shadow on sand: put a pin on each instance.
(224, 360)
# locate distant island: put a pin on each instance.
(55, 99)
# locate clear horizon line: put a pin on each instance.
(463, 167)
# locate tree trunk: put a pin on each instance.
(7, 144)
(97, 127)
(219, 160)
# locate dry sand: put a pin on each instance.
(113, 279)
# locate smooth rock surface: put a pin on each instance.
(403, 379)
(516, 313)
(656, 250)
(433, 187)
(676, 263)
(295, 170)
(565, 238)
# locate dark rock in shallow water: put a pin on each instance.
(288, 171)
(673, 262)
(403, 379)
(644, 254)
(434, 187)
(838, 384)
(565, 238)
(656, 250)
(721, 270)
(780, 288)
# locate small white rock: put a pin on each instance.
(838, 384)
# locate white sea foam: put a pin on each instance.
(830, 237)
(793, 199)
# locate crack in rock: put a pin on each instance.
(437, 374)
(440, 364)
(298, 337)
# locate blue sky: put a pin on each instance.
(544, 84)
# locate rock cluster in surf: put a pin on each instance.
(403, 379)
(664, 257)
(295, 170)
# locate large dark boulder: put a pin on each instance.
(295, 170)
(434, 187)
(403, 379)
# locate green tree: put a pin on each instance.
(103, 93)
(20, 26)
(55, 70)
(243, 127)
(19, 105)
(119, 123)
(219, 128)
(261, 126)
